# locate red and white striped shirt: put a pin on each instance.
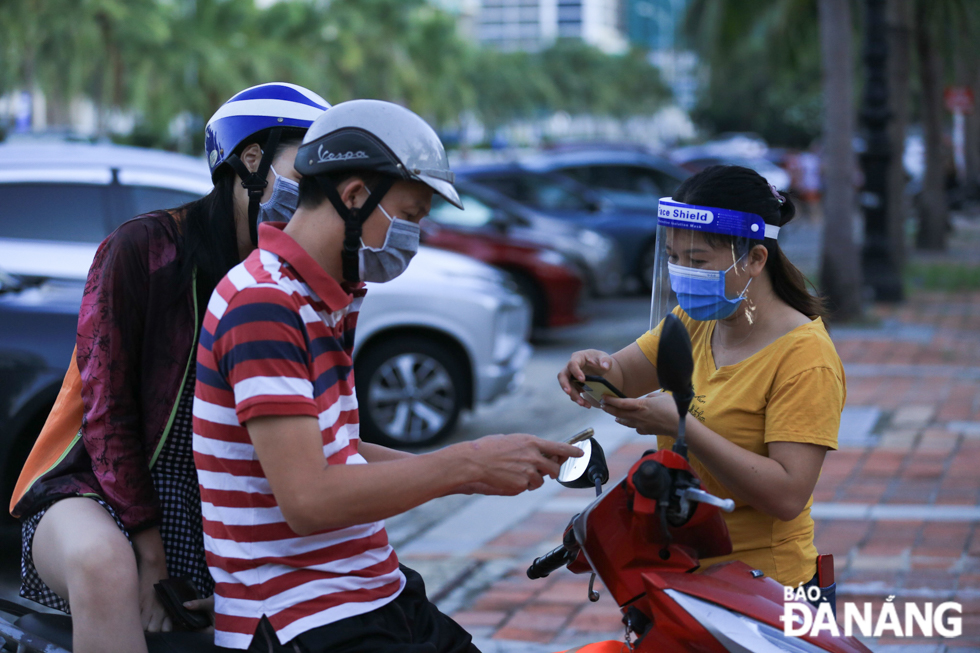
(277, 340)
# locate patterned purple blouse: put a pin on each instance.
(136, 328)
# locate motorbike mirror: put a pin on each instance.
(675, 367)
(585, 471)
(675, 363)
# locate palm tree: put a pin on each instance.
(779, 35)
(945, 33)
(899, 72)
(840, 272)
(933, 210)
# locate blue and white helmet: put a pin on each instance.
(256, 109)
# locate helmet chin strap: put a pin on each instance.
(256, 182)
(354, 219)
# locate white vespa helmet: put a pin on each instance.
(376, 136)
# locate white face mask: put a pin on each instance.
(282, 203)
(381, 264)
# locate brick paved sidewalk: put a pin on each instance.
(897, 505)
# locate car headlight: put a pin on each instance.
(593, 239)
(551, 257)
(736, 632)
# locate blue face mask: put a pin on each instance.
(282, 203)
(701, 293)
(381, 264)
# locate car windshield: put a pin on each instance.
(538, 191)
(61, 211)
(631, 186)
(473, 214)
(148, 198)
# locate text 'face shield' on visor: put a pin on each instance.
(701, 250)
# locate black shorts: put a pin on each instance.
(409, 624)
(827, 595)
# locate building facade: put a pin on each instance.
(654, 24)
(531, 25)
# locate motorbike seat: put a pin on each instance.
(56, 628)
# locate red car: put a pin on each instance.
(543, 276)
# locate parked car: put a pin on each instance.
(629, 178)
(37, 335)
(773, 173)
(595, 257)
(545, 277)
(61, 198)
(558, 196)
(448, 335)
(747, 150)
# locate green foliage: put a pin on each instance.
(945, 276)
(764, 71)
(167, 58)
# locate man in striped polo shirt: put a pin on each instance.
(293, 501)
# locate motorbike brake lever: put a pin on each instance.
(593, 595)
(694, 494)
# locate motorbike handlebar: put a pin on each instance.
(551, 561)
(693, 494)
(652, 480)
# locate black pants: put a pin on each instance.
(827, 594)
(409, 624)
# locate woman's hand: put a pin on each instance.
(587, 361)
(152, 613)
(151, 563)
(203, 605)
(651, 415)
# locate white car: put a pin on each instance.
(447, 335)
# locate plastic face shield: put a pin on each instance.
(700, 259)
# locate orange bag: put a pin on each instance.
(59, 432)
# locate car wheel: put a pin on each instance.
(647, 260)
(410, 391)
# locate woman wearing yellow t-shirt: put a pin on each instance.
(768, 383)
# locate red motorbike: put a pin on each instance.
(644, 538)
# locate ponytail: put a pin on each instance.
(209, 236)
(789, 284)
(743, 189)
(210, 239)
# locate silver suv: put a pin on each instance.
(447, 335)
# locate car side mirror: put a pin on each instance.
(9, 283)
(675, 367)
(597, 203)
(500, 221)
(587, 470)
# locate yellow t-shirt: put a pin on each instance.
(793, 390)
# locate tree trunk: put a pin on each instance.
(968, 75)
(840, 272)
(899, 69)
(933, 211)
(973, 134)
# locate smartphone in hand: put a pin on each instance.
(595, 388)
